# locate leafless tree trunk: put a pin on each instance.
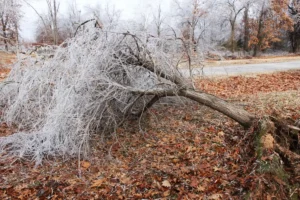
(17, 36)
(246, 28)
(259, 30)
(9, 20)
(158, 21)
(38, 14)
(236, 113)
(234, 12)
(4, 25)
(190, 22)
(53, 8)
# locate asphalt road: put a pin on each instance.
(234, 70)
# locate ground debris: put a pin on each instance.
(187, 152)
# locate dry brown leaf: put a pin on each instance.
(166, 183)
(200, 188)
(72, 181)
(216, 169)
(126, 180)
(166, 193)
(268, 141)
(188, 117)
(221, 134)
(215, 197)
(97, 183)
(194, 182)
(85, 164)
(138, 195)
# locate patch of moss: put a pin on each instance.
(274, 167)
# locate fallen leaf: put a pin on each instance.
(157, 184)
(166, 183)
(85, 164)
(166, 193)
(97, 183)
(215, 197)
(190, 149)
(188, 117)
(143, 161)
(125, 180)
(72, 181)
(268, 141)
(138, 195)
(200, 189)
(192, 196)
(194, 182)
(216, 169)
(221, 134)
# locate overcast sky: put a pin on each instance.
(129, 8)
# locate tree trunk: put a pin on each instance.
(55, 23)
(246, 29)
(5, 43)
(259, 33)
(4, 23)
(240, 115)
(232, 35)
(294, 41)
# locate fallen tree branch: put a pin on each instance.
(238, 114)
(91, 86)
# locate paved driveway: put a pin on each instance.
(233, 70)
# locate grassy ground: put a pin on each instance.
(178, 151)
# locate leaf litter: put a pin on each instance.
(176, 152)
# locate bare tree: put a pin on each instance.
(53, 8)
(144, 21)
(107, 17)
(233, 9)
(49, 21)
(190, 14)
(246, 27)
(158, 20)
(10, 16)
(70, 22)
(294, 36)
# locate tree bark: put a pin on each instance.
(239, 115)
(246, 29)
(183, 89)
(4, 24)
(232, 34)
(257, 47)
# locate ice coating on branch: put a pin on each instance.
(87, 87)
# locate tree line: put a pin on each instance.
(251, 26)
